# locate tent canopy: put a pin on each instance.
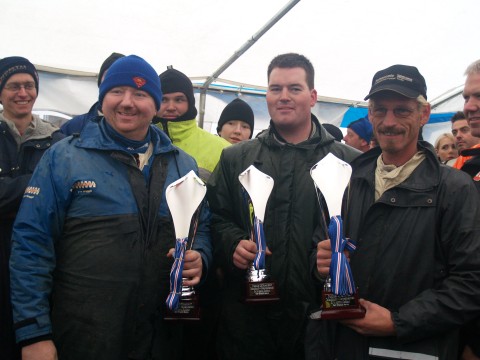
(346, 40)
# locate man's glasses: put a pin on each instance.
(399, 112)
(15, 87)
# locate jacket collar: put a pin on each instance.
(94, 136)
(428, 172)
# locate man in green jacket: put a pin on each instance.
(177, 117)
(286, 151)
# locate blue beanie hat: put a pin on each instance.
(362, 128)
(135, 72)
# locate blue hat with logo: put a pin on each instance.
(135, 72)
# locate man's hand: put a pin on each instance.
(324, 257)
(192, 266)
(42, 350)
(245, 253)
(377, 321)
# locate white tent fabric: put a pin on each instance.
(346, 40)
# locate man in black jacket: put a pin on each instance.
(286, 151)
(416, 226)
(24, 137)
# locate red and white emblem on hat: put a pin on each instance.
(139, 81)
(477, 177)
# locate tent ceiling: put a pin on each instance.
(346, 40)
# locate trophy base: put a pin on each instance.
(340, 306)
(261, 292)
(188, 310)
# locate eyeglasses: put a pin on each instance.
(399, 112)
(15, 87)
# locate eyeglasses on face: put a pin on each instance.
(16, 87)
(400, 112)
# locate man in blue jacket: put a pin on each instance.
(89, 264)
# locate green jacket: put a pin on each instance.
(204, 147)
(291, 217)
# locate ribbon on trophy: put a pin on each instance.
(331, 176)
(184, 197)
(340, 271)
(257, 187)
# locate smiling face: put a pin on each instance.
(18, 96)
(129, 111)
(289, 101)
(471, 108)
(396, 124)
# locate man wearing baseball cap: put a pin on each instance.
(359, 134)
(24, 137)
(416, 265)
(89, 264)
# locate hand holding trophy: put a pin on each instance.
(184, 197)
(339, 299)
(257, 187)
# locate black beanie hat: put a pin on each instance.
(106, 64)
(237, 110)
(175, 81)
(16, 65)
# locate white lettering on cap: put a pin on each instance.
(383, 78)
(404, 78)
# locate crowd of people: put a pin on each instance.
(87, 237)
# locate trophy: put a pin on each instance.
(184, 197)
(339, 298)
(257, 187)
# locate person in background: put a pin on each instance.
(471, 166)
(359, 134)
(286, 151)
(464, 138)
(89, 265)
(416, 265)
(77, 123)
(446, 148)
(236, 122)
(334, 131)
(24, 137)
(177, 118)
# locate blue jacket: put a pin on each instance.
(77, 123)
(89, 246)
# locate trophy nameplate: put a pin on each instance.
(340, 306)
(260, 287)
(188, 308)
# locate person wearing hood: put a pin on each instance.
(24, 137)
(177, 118)
(236, 122)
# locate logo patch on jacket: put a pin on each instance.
(139, 81)
(477, 177)
(84, 186)
(31, 191)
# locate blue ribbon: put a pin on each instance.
(259, 261)
(340, 271)
(173, 298)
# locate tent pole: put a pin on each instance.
(237, 54)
